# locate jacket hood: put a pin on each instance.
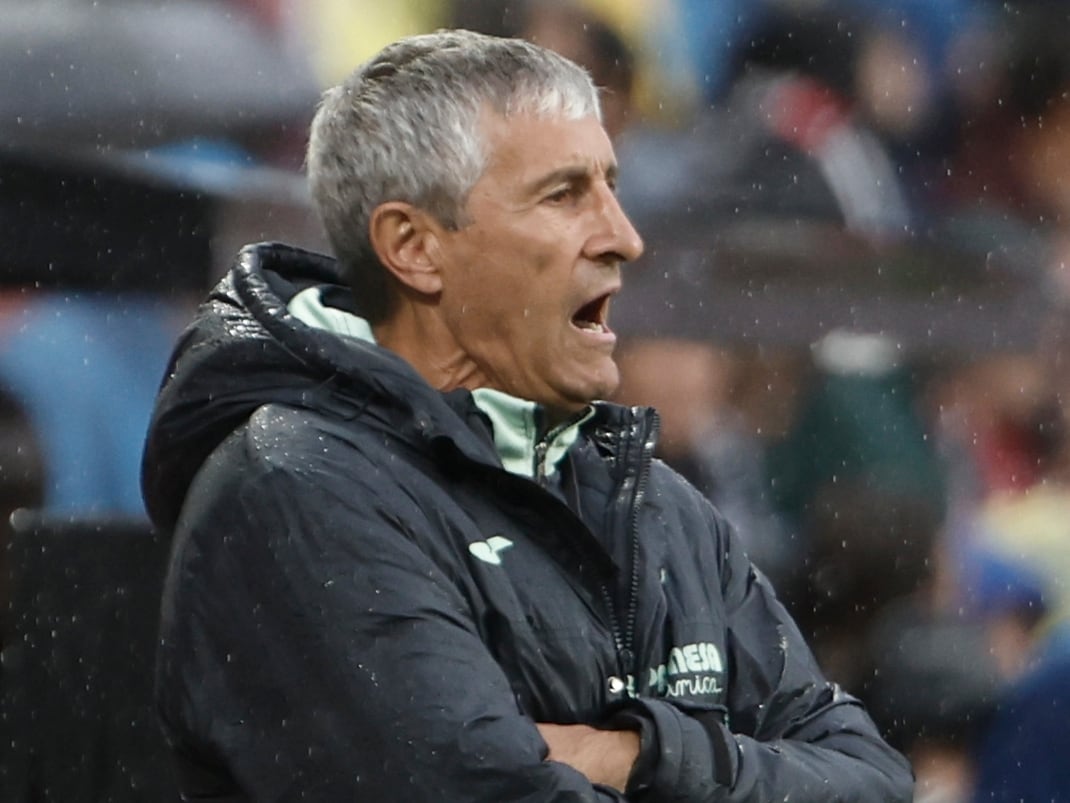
(245, 349)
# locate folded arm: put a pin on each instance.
(786, 733)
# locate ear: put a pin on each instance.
(405, 240)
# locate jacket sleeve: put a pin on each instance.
(311, 651)
(788, 733)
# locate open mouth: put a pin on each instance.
(593, 316)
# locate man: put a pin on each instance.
(414, 558)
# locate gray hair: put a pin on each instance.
(405, 127)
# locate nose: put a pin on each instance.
(616, 238)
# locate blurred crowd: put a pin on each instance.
(852, 316)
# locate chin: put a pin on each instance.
(602, 386)
(571, 392)
(610, 382)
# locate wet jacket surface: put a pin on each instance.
(362, 604)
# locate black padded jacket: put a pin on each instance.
(362, 604)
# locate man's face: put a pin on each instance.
(527, 282)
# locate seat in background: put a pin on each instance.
(78, 669)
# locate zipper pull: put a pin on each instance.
(540, 461)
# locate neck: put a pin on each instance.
(416, 334)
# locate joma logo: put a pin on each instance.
(489, 551)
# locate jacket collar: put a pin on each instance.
(245, 348)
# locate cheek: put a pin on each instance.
(512, 281)
(543, 262)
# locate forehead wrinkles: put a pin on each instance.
(510, 144)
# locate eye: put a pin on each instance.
(562, 194)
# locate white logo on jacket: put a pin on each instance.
(489, 551)
(693, 670)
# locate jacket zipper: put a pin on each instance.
(539, 460)
(623, 632)
(624, 637)
(542, 446)
(637, 501)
